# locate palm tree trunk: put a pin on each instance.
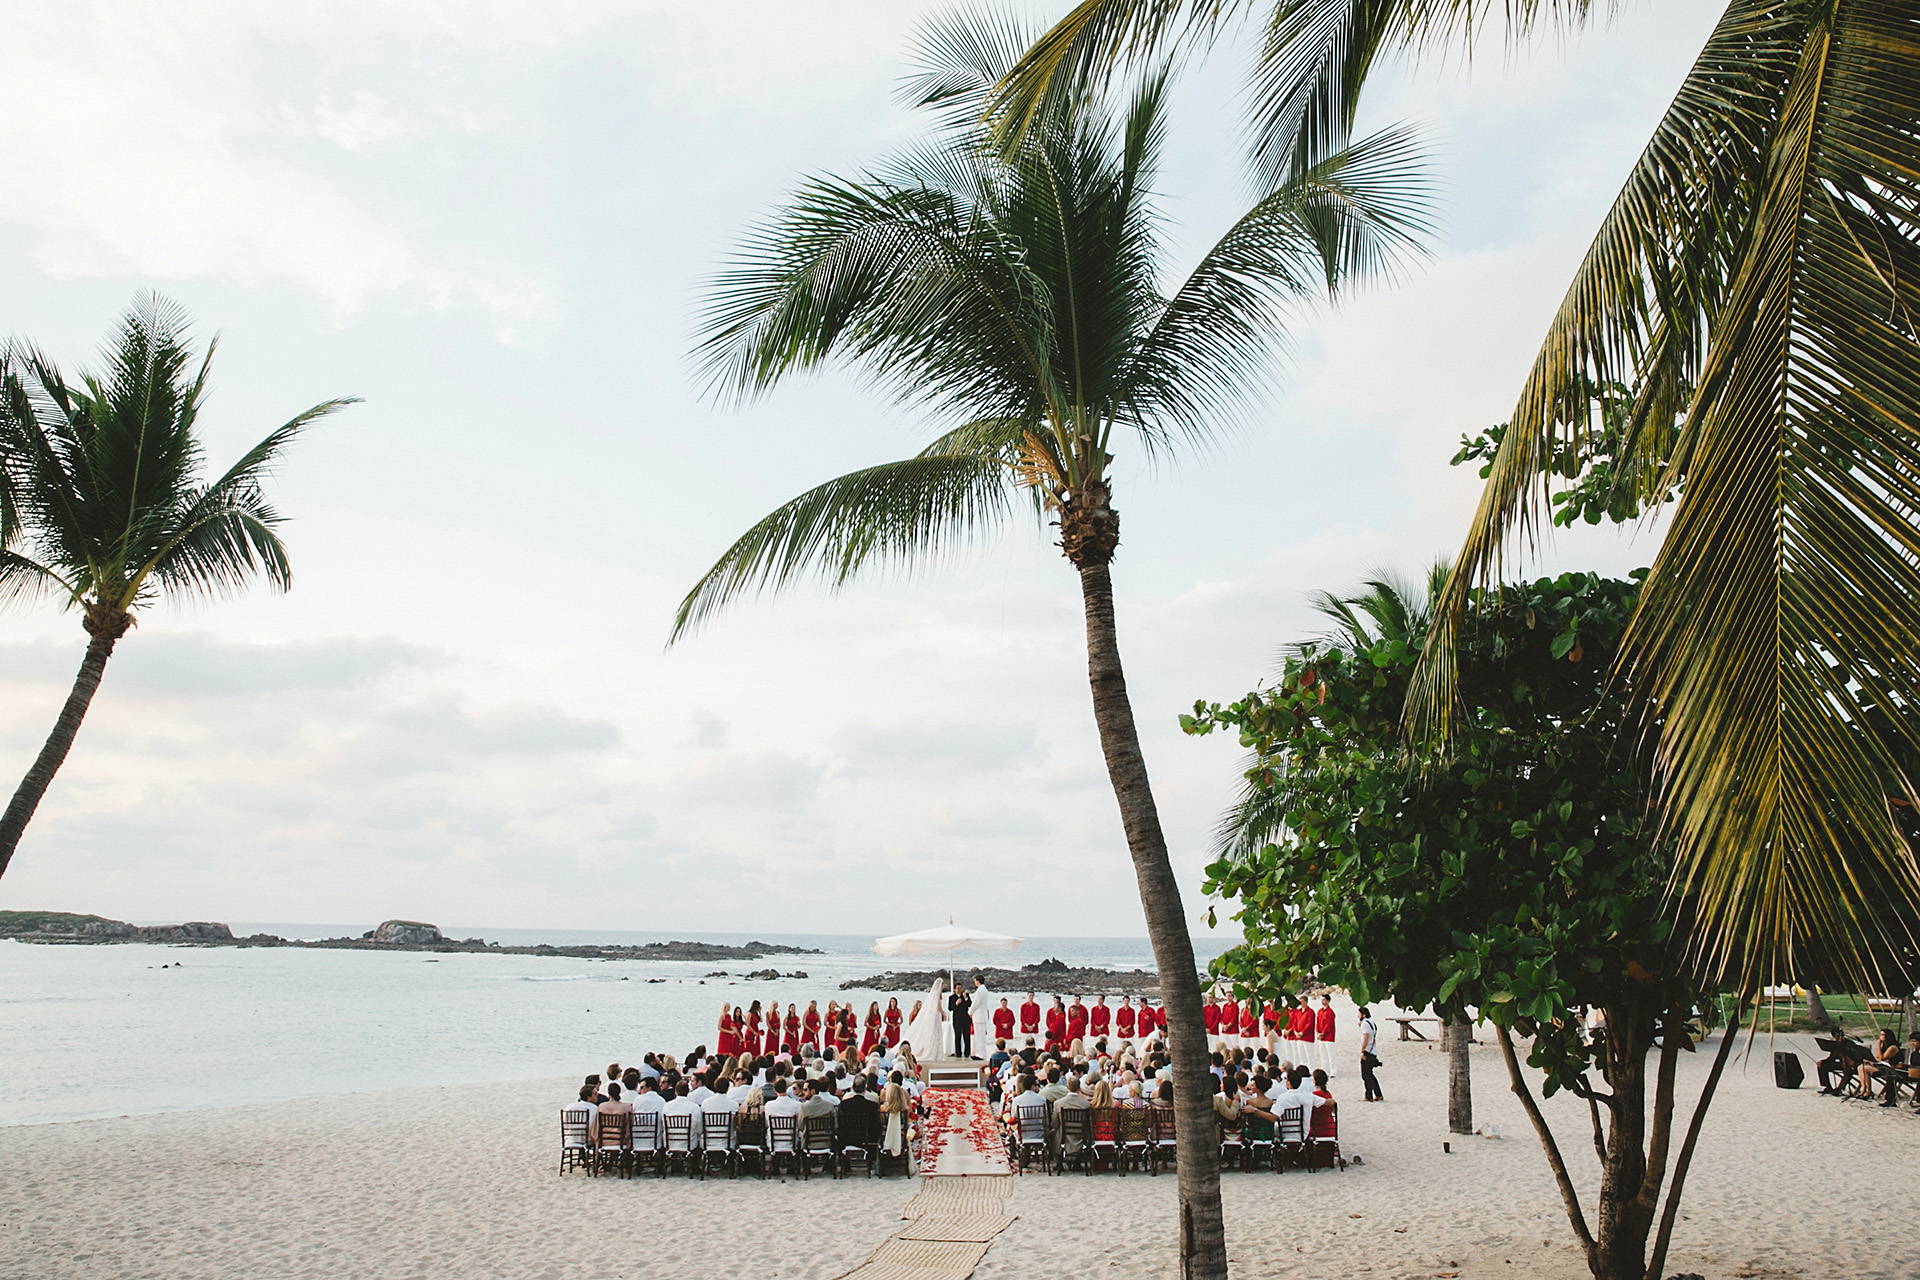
(1203, 1240)
(13, 824)
(1459, 1077)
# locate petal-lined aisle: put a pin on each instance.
(961, 1205)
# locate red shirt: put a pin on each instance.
(1123, 1021)
(1029, 1019)
(1323, 1024)
(1306, 1025)
(1056, 1024)
(1270, 1016)
(1099, 1018)
(1249, 1020)
(1076, 1021)
(1210, 1013)
(1293, 1022)
(1003, 1023)
(1229, 1018)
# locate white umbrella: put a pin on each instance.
(945, 940)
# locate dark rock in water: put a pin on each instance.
(1055, 978)
(764, 975)
(717, 973)
(412, 933)
(798, 973)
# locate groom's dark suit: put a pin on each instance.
(960, 1005)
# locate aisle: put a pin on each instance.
(961, 1205)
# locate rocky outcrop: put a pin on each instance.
(192, 931)
(408, 933)
(1050, 976)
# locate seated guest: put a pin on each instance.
(614, 1106)
(782, 1103)
(585, 1108)
(680, 1105)
(1322, 1126)
(814, 1102)
(859, 1112)
(1163, 1096)
(1225, 1109)
(699, 1093)
(599, 1095)
(630, 1079)
(893, 1110)
(1071, 1100)
(647, 1098)
(1837, 1065)
(1054, 1090)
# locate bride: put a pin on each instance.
(927, 1033)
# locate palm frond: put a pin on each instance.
(1355, 214)
(897, 513)
(1766, 252)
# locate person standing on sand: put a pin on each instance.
(982, 1011)
(1369, 1042)
(960, 1005)
(1323, 1026)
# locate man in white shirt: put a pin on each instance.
(742, 1086)
(680, 1105)
(699, 1093)
(583, 1108)
(783, 1103)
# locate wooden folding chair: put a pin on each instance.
(1076, 1138)
(783, 1139)
(576, 1139)
(679, 1143)
(1030, 1136)
(1134, 1137)
(716, 1142)
(1291, 1138)
(1166, 1140)
(614, 1149)
(816, 1141)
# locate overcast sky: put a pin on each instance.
(492, 221)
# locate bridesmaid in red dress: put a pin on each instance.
(739, 1031)
(871, 1040)
(772, 1043)
(723, 1039)
(790, 1041)
(750, 1042)
(810, 1023)
(1057, 1027)
(849, 1033)
(892, 1019)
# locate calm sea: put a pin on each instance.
(89, 1031)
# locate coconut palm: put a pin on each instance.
(1015, 299)
(1758, 280)
(104, 506)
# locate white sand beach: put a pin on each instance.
(461, 1181)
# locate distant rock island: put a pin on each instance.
(62, 927)
(1054, 977)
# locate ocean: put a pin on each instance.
(91, 1031)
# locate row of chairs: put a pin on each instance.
(1128, 1138)
(630, 1143)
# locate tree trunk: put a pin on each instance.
(1203, 1241)
(13, 824)
(1817, 1012)
(1907, 1024)
(1459, 1077)
(1624, 1216)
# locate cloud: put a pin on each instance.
(770, 780)
(937, 750)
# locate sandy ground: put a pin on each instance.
(461, 1182)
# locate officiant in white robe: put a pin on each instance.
(982, 1018)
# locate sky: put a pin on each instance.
(493, 221)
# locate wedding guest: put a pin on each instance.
(893, 1111)
(813, 1103)
(613, 1106)
(782, 1103)
(599, 1096)
(585, 1108)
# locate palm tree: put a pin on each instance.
(1758, 281)
(1014, 297)
(101, 502)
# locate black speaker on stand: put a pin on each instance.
(1787, 1072)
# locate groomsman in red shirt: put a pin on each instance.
(1210, 1014)
(1099, 1019)
(1030, 1018)
(1323, 1026)
(1229, 1024)
(1003, 1021)
(1123, 1019)
(1076, 1021)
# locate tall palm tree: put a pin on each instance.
(102, 504)
(1758, 279)
(1015, 298)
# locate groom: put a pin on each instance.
(960, 1004)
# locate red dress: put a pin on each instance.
(848, 1033)
(892, 1019)
(871, 1041)
(1029, 1019)
(773, 1034)
(750, 1042)
(791, 1042)
(1123, 1022)
(1056, 1028)
(723, 1047)
(1003, 1024)
(1076, 1022)
(1099, 1020)
(810, 1023)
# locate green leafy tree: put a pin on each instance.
(1757, 280)
(1015, 299)
(102, 504)
(1517, 877)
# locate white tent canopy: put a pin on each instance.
(944, 941)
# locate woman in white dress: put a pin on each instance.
(927, 1033)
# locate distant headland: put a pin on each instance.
(1055, 977)
(60, 927)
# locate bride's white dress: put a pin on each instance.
(927, 1034)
